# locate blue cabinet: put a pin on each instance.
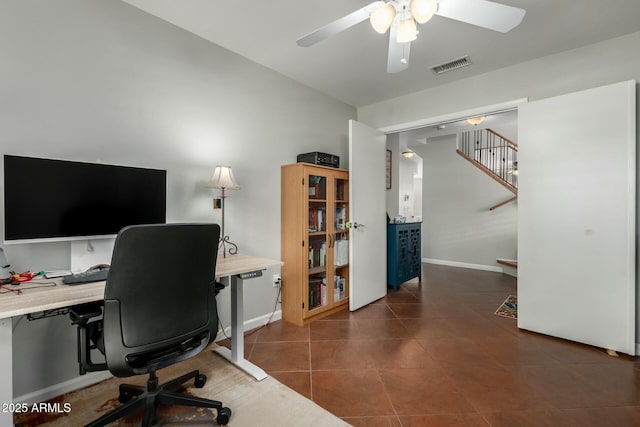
(404, 260)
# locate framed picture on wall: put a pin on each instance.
(388, 169)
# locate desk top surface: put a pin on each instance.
(61, 295)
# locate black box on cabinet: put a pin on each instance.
(318, 158)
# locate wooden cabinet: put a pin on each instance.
(404, 259)
(315, 241)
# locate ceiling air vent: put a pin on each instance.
(452, 65)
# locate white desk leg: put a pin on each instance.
(6, 373)
(236, 355)
(237, 319)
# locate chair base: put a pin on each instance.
(135, 398)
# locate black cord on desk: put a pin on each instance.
(46, 284)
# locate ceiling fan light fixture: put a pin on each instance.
(382, 18)
(407, 31)
(423, 10)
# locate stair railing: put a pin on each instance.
(494, 154)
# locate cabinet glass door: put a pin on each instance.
(317, 242)
(340, 240)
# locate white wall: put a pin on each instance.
(393, 207)
(595, 65)
(407, 169)
(91, 79)
(403, 183)
(457, 227)
(417, 193)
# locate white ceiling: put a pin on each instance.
(506, 123)
(351, 66)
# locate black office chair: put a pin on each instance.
(159, 309)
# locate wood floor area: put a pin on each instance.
(436, 355)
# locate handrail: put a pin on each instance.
(509, 142)
(513, 263)
(489, 173)
(503, 203)
(493, 154)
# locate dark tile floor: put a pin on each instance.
(436, 355)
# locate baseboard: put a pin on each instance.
(463, 265)
(510, 271)
(637, 349)
(262, 320)
(91, 378)
(250, 324)
(55, 390)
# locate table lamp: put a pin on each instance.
(223, 179)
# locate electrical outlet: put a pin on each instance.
(277, 280)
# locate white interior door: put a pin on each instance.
(367, 214)
(576, 216)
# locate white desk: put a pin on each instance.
(234, 267)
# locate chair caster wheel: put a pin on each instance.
(200, 380)
(124, 397)
(224, 415)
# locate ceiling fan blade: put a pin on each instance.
(337, 26)
(483, 13)
(398, 52)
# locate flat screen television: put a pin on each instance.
(48, 199)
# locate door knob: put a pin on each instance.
(354, 225)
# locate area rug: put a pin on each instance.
(266, 403)
(509, 308)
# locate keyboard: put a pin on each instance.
(86, 277)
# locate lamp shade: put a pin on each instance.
(423, 10)
(382, 18)
(223, 178)
(407, 31)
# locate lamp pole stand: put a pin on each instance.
(224, 239)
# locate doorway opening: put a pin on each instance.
(455, 200)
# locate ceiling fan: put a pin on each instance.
(401, 17)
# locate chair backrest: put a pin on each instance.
(160, 296)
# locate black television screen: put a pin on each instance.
(57, 199)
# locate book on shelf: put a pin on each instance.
(313, 221)
(341, 252)
(317, 187)
(339, 285)
(323, 292)
(340, 190)
(341, 218)
(317, 292)
(317, 219)
(317, 254)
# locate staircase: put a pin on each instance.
(496, 156)
(493, 154)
